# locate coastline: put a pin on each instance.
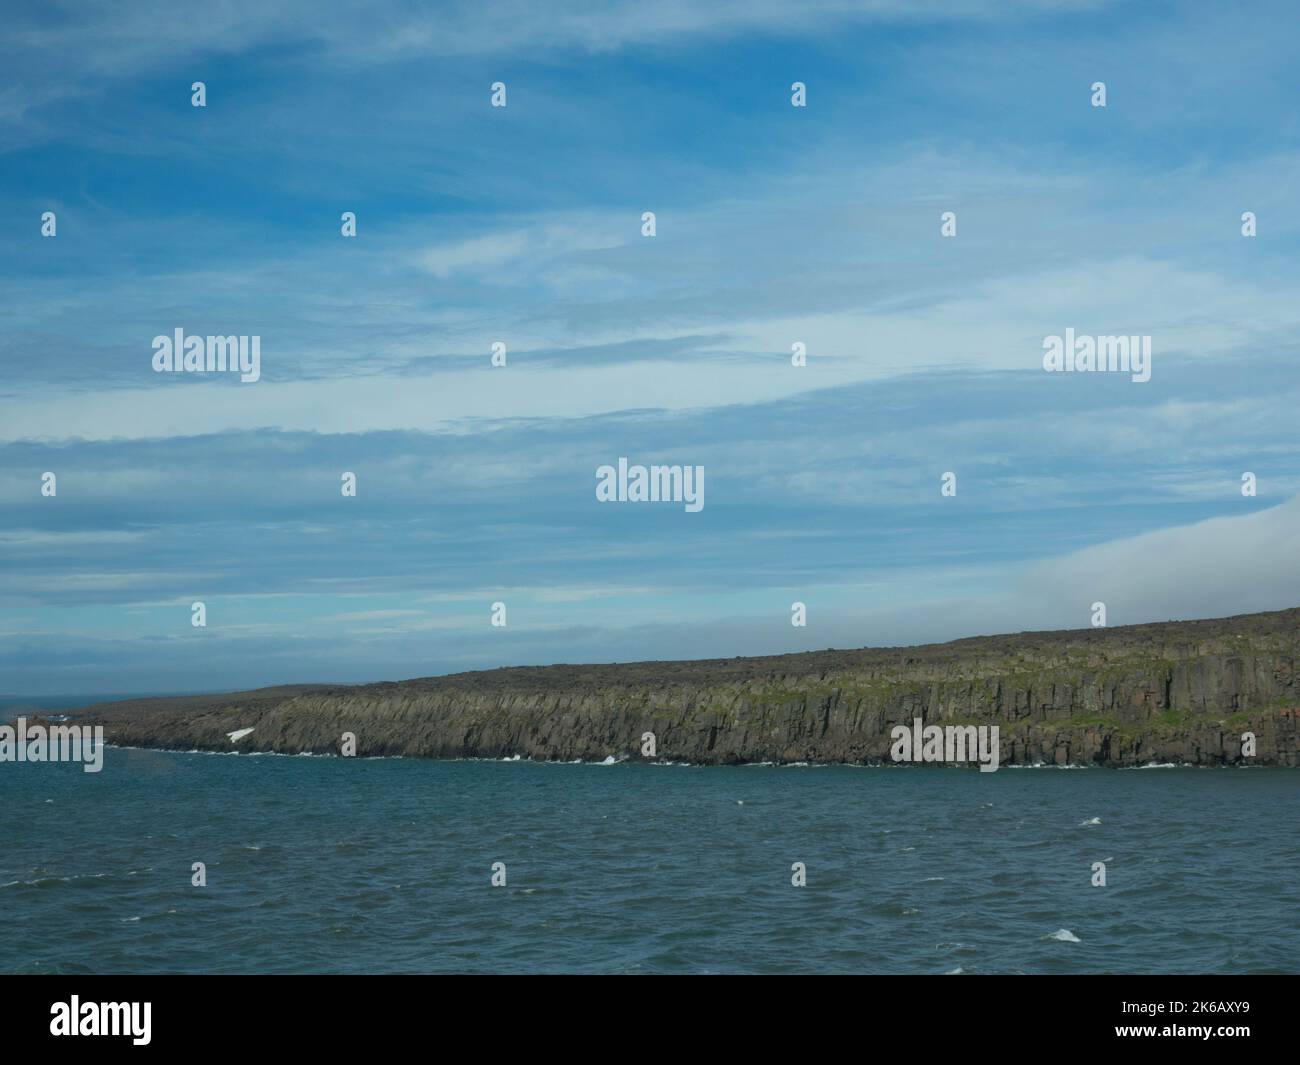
(663, 763)
(1175, 692)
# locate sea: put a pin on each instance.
(346, 865)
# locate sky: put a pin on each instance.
(523, 225)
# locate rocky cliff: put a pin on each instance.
(1174, 692)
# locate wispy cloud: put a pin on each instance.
(776, 225)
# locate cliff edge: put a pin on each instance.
(1181, 692)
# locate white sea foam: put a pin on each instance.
(55, 879)
(247, 754)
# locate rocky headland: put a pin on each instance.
(1181, 692)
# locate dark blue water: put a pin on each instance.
(342, 865)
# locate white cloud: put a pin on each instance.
(113, 38)
(1213, 568)
(474, 254)
(375, 615)
(998, 325)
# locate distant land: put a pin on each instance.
(1181, 692)
(14, 705)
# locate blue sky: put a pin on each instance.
(522, 224)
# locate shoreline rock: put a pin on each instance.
(1180, 692)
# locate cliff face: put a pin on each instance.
(1173, 692)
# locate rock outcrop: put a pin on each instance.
(1182, 692)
